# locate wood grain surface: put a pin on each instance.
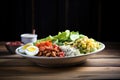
(104, 65)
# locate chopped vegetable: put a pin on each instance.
(48, 49)
(66, 43)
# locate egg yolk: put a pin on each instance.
(26, 45)
(31, 49)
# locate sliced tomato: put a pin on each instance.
(61, 54)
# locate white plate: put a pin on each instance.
(58, 61)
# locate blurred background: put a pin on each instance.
(98, 19)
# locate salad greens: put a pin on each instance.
(61, 37)
(74, 39)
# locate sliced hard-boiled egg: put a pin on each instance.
(32, 50)
(22, 49)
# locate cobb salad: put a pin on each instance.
(64, 44)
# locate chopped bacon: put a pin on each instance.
(47, 48)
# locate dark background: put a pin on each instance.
(98, 19)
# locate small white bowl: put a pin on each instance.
(28, 38)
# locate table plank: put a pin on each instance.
(89, 62)
(112, 45)
(64, 77)
(46, 70)
(60, 73)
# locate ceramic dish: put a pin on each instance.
(12, 46)
(58, 61)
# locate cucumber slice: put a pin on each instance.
(74, 37)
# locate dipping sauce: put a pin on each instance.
(28, 38)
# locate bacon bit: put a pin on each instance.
(42, 48)
(46, 48)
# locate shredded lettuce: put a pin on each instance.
(61, 37)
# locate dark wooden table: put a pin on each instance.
(104, 65)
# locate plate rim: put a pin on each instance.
(41, 57)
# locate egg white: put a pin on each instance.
(22, 49)
(32, 53)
